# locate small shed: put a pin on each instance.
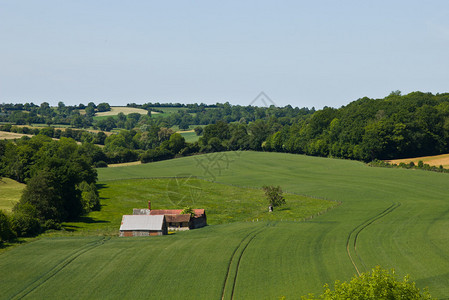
(179, 222)
(143, 225)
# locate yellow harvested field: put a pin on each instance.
(11, 135)
(185, 131)
(125, 164)
(437, 160)
(115, 110)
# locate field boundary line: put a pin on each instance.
(305, 219)
(59, 267)
(358, 229)
(219, 182)
(249, 237)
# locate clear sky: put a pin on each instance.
(303, 53)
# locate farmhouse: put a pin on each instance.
(175, 219)
(143, 225)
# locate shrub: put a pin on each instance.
(378, 284)
(25, 221)
(101, 164)
(6, 231)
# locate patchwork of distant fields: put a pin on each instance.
(389, 217)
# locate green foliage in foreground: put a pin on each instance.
(379, 284)
(223, 203)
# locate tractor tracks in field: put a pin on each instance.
(351, 242)
(234, 264)
(59, 267)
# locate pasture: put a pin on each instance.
(189, 135)
(389, 217)
(10, 192)
(223, 203)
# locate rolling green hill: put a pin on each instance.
(223, 203)
(389, 217)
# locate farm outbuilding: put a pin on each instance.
(198, 220)
(143, 225)
(174, 218)
(179, 222)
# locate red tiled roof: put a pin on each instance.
(177, 218)
(198, 212)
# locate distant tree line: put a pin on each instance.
(396, 126)
(187, 115)
(30, 113)
(367, 129)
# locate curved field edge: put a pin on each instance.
(435, 160)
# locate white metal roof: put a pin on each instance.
(142, 222)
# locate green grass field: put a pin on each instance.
(10, 192)
(389, 217)
(190, 137)
(223, 203)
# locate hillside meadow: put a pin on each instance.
(10, 192)
(223, 203)
(389, 217)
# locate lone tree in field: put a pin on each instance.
(378, 284)
(274, 195)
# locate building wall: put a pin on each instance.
(128, 233)
(199, 222)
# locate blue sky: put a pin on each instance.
(303, 53)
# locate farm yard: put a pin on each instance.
(394, 218)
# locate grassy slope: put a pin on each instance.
(223, 203)
(284, 258)
(190, 137)
(10, 192)
(125, 268)
(410, 238)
